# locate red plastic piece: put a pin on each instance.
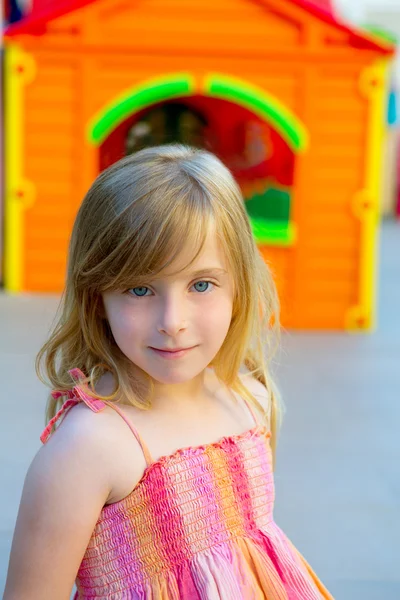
(47, 10)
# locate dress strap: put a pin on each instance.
(135, 432)
(77, 395)
(253, 414)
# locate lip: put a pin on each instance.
(172, 354)
(171, 349)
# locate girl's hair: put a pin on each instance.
(132, 224)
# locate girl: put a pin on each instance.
(159, 484)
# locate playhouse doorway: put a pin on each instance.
(258, 156)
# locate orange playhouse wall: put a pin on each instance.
(328, 256)
(53, 159)
(318, 276)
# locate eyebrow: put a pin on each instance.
(214, 270)
(194, 274)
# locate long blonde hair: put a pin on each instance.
(130, 225)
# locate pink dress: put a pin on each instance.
(197, 526)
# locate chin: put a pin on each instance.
(170, 381)
(171, 374)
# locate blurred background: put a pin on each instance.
(300, 99)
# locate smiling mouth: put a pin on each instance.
(171, 353)
(171, 350)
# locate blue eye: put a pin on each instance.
(139, 288)
(202, 283)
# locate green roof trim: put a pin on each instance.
(381, 33)
(263, 104)
(273, 233)
(137, 98)
(217, 86)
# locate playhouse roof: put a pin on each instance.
(44, 11)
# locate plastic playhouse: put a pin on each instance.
(291, 99)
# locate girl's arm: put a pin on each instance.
(65, 488)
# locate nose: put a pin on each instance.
(172, 318)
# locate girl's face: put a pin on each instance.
(190, 310)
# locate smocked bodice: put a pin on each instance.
(185, 504)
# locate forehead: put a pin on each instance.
(212, 256)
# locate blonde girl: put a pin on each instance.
(159, 483)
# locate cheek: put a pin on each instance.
(215, 319)
(123, 322)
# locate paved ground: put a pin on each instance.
(337, 479)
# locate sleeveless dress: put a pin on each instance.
(197, 526)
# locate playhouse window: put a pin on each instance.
(264, 168)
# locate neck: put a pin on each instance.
(186, 393)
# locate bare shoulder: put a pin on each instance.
(91, 440)
(80, 439)
(257, 389)
(81, 442)
(114, 453)
(81, 429)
